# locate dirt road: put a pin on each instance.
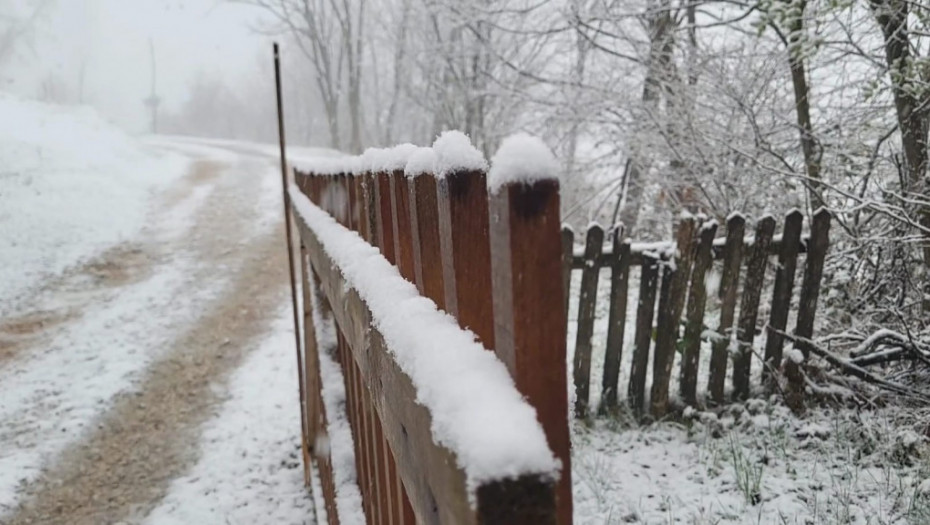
(184, 305)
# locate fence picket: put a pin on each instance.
(403, 241)
(781, 294)
(619, 284)
(587, 302)
(428, 259)
(671, 304)
(694, 326)
(807, 304)
(728, 293)
(749, 306)
(385, 216)
(648, 283)
(462, 199)
(568, 247)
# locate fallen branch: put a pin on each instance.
(852, 369)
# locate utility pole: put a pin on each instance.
(153, 101)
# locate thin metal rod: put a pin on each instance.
(290, 254)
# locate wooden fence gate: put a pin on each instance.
(489, 258)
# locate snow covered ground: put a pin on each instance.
(754, 463)
(250, 470)
(71, 185)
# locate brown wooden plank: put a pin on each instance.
(462, 199)
(428, 258)
(670, 309)
(728, 293)
(352, 203)
(530, 333)
(587, 302)
(385, 216)
(807, 303)
(749, 307)
(403, 236)
(387, 474)
(434, 483)
(568, 246)
(373, 211)
(616, 328)
(648, 286)
(694, 324)
(781, 294)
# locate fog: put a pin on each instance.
(107, 42)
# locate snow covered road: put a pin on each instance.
(128, 380)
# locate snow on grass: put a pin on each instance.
(476, 410)
(250, 467)
(521, 158)
(753, 465)
(71, 185)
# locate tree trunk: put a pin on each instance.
(809, 145)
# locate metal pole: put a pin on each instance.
(290, 253)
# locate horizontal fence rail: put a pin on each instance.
(670, 322)
(487, 250)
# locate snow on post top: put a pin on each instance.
(521, 158)
(421, 161)
(454, 152)
(388, 160)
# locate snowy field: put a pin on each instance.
(71, 185)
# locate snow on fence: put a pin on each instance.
(443, 279)
(676, 274)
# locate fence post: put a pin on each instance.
(694, 326)
(587, 302)
(526, 250)
(648, 283)
(781, 294)
(749, 306)
(807, 308)
(619, 284)
(670, 308)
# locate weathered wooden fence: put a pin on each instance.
(675, 274)
(490, 258)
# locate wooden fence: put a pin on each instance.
(492, 262)
(679, 285)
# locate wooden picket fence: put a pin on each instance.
(494, 263)
(679, 285)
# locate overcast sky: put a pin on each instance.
(111, 39)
